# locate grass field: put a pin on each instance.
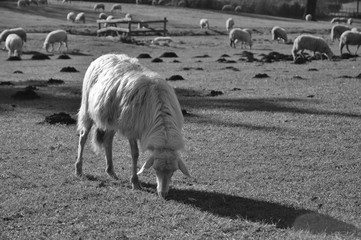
(271, 158)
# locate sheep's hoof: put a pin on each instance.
(78, 170)
(112, 174)
(135, 183)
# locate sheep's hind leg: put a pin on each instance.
(82, 140)
(108, 145)
(135, 155)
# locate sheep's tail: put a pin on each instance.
(97, 139)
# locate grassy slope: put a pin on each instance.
(274, 158)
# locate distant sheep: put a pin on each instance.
(337, 30)
(311, 43)
(238, 9)
(279, 33)
(308, 17)
(349, 21)
(350, 38)
(120, 95)
(204, 23)
(80, 17)
(227, 8)
(56, 36)
(240, 35)
(339, 20)
(99, 6)
(18, 31)
(66, 1)
(128, 16)
(110, 17)
(116, 7)
(102, 16)
(229, 24)
(14, 45)
(71, 17)
(21, 3)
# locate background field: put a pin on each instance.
(271, 158)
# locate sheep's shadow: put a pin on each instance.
(282, 216)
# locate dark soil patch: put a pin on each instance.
(176, 61)
(185, 112)
(225, 55)
(214, 93)
(157, 60)
(40, 56)
(261, 75)
(298, 77)
(190, 68)
(169, 55)
(6, 83)
(232, 68)
(68, 69)
(175, 78)
(347, 56)
(60, 118)
(276, 57)
(300, 60)
(202, 56)
(313, 70)
(14, 58)
(18, 72)
(223, 60)
(236, 89)
(27, 94)
(55, 81)
(64, 56)
(144, 55)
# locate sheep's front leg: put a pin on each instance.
(108, 145)
(79, 161)
(135, 155)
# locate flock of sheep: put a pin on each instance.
(345, 34)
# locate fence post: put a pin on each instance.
(165, 26)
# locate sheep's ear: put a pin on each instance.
(183, 168)
(146, 165)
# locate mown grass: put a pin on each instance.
(272, 158)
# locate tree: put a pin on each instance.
(311, 7)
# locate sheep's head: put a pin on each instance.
(165, 162)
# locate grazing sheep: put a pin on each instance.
(120, 95)
(80, 17)
(279, 33)
(21, 3)
(102, 16)
(56, 36)
(240, 35)
(204, 23)
(350, 38)
(349, 21)
(238, 9)
(116, 7)
(128, 16)
(227, 8)
(337, 31)
(229, 24)
(99, 6)
(18, 31)
(66, 1)
(308, 17)
(14, 45)
(110, 17)
(339, 20)
(312, 43)
(71, 17)
(157, 40)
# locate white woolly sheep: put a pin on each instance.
(279, 33)
(71, 17)
(80, 17)
(229, 24)
(102, 16)
(110, 17)
(337, 30)
(204, 23)
(66, 1)
(349, 21)
(18, 31)
(311, 43)
(350, 38)
(238, 9)
(116, 7)
(354, 29)
(339, 20)
(227, 8)
(14, 45)
(240, 35)
(128, 16)
(21, 3)
(158, 40)
(120, 95)
(99, 6)
(56, 36)
(308, 17)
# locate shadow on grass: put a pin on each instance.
(254, 210)
(259, 104)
